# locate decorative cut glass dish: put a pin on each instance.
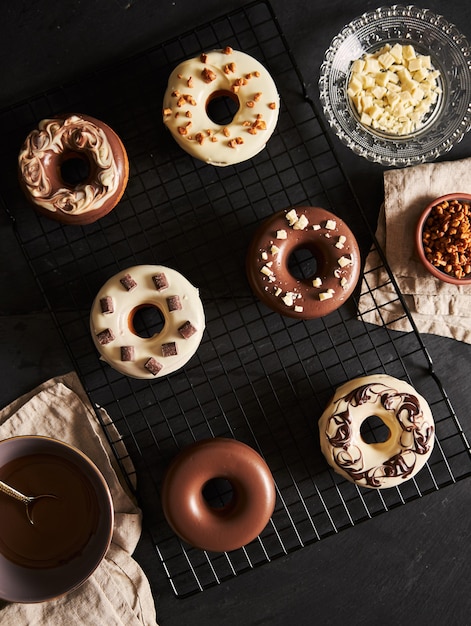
(429, 34)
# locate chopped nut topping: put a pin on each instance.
(175, 94)
(226, 132)
(257, 96)
(228, 50)
(190, 82)
(272, 105)
(167, 112)
(208, 75)
(199, 138)
(250, 104)
(257, 74)
(446, 237)
(230, 68)
(203, 57)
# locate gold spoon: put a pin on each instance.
(27, 500)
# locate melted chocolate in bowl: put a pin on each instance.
(70, 534)
(61, 527)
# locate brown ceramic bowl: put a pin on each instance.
(69, 535)
(435, 271)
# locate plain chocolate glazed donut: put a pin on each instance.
(242, 519)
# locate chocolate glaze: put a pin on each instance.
(40, 169)
(62, 527)
(322, 243)
(411, 431)
(236, 523)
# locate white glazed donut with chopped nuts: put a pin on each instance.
(112, 321)
(221, 73)
(335, 253)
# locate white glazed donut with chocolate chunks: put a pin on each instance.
(403, 411)
(112, 321)
(221, 73)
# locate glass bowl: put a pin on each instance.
(448, 199)
(429, 34)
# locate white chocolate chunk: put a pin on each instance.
(391, 88)
(326, 295)
(331, 224)
(266, 270)
(317, 282)
(281, 234)
(344, 261)
(292, 217)
(274, 250)
(301, 223)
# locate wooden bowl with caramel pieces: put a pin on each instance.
(443, 238)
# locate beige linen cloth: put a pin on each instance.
(118, 592)
(436, 307)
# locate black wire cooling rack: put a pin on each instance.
(257, 376)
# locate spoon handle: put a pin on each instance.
(10, 491)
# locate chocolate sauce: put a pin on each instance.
(62, 526)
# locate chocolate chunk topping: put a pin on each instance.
(173, 303)
(169, 349)
(187, 329)
(107, 305)
(160, 281)
(128, 282)
(105, 336)
(127, 353)
(153, 366)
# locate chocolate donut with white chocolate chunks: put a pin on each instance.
(405, 414)
(333, 247)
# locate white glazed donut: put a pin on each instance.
(112, 325)
(197, 81)
(403, 411)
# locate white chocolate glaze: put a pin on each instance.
(47, 146)
(227, 72)
(119, 323)
(403, 411)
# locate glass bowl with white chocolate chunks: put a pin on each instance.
(395, 85)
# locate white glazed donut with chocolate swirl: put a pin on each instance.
(221, 73)
(404, 412)
(59, 140)
(114, 332)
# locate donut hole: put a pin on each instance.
(221, 107)
(75, 169)
(303, 263)
(374, 430)
(146, 321)
(218, 493)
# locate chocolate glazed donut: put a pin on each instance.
(332, 246)
(242, 519)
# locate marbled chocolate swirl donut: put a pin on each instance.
(98, 180)
(404, 412)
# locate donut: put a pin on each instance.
(112, 318)
(404, 412)
(79, 196)
(236, 523)
(333, 248)
(218, 74)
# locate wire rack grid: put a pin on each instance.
(258, 376)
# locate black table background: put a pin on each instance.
(411, 565)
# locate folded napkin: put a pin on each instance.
(118, 592)
(436, 307)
